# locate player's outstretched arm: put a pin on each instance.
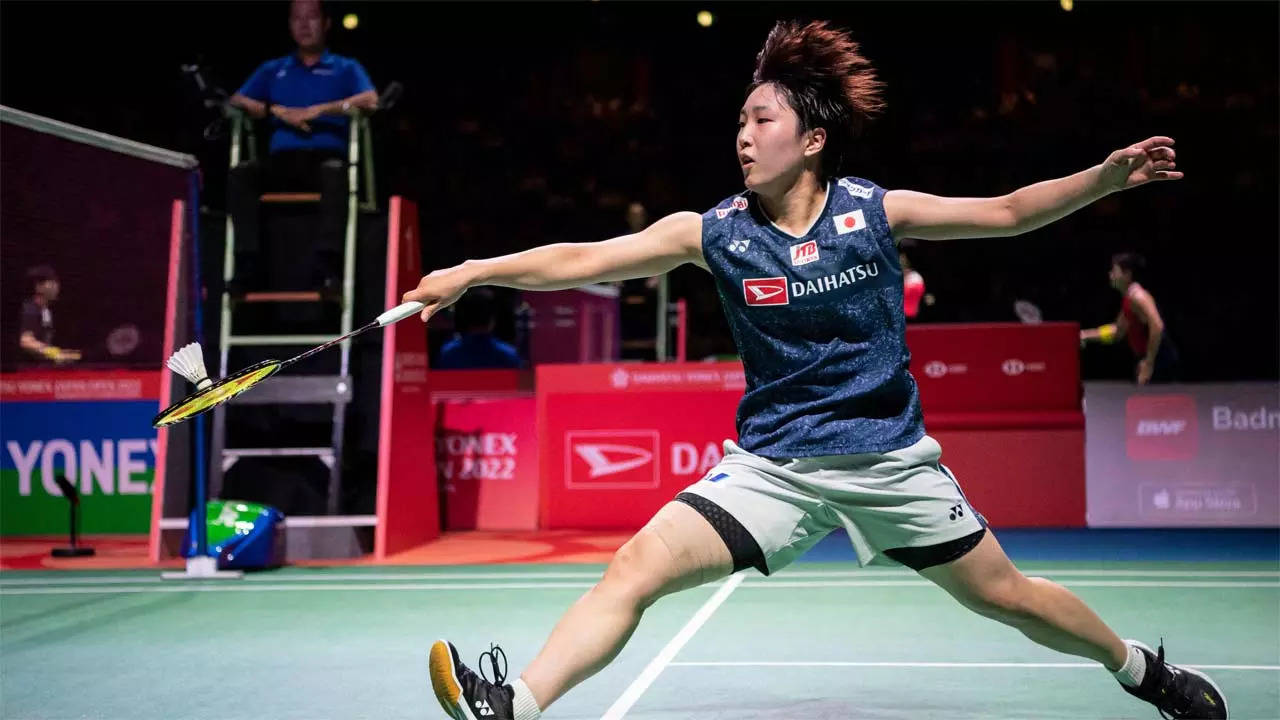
(930, 217)
(672, 241)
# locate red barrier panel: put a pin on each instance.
(985, 367)
(618, 441)
(486, 458)
(408, 504)
(1004, 402)
(472, 384)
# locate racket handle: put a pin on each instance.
(399, 312)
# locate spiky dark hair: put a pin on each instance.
(822, 75)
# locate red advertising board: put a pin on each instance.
(617, 441)
(994, 367)
(486, 461)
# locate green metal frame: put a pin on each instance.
(244, 148)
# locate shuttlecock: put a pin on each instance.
(189, 363)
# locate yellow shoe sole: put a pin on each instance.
(444, 681)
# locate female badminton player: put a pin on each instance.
(1139, 321)
(830, 432)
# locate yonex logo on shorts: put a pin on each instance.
(766, 291)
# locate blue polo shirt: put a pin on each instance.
(287, 81)
(477, 351)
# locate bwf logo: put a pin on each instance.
(1161, 427)
(804, 253)
(766, 291)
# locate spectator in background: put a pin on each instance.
(309, 96)
(36, 334)
(1139, 321)
(475, 347)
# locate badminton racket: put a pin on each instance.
(209, 397)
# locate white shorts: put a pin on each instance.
(886, 502)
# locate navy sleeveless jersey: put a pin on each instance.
(819, 325)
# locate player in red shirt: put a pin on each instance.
(1139, 321)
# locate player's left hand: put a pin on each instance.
(1144, 371)
(1141, 163)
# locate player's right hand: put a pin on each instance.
(439, 290)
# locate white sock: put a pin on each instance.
(523, 706)
(1134, 668)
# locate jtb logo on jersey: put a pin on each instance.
(850, 221)
(766, 291)
(804, 253)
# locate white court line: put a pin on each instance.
(782, 584)
(619, 708)
(329, 577)
(268, 577)
(237, 586)
(958, 665)
(1049, 571)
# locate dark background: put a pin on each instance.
(523, 124)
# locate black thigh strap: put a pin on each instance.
(742, 547)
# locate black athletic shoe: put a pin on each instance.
(1178, 693)
(465, 695)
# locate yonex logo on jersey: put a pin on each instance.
(801, 288)
(804, 253)
(722, 213)
(766, 291)
(850, 221)
(856, 190)
(739, 245)
(739, 203)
